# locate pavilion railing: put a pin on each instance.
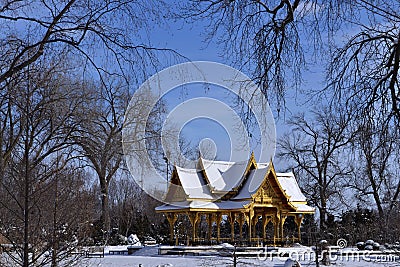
(254, 241)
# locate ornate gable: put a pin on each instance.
(271, 192)
(273, 179)
(265, 194)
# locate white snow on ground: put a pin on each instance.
(148, 257)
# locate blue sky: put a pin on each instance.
(188, 40)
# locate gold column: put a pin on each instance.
(281, 223)
(299, 219)
(209, 221)
(171, 217)
(193, 218)
(218, 221)
(275, 222)
(254, 222)
(266, 220)
(231, 218)
(241, 222)
(251, 215)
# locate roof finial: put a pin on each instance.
(271, 163)
(252, 155)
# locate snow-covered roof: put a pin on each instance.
(217, 205)
(205, 186)
(291, 187)
(303, 207)
(223, 176)
(194, 184)
(253, 182)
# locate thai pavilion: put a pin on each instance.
(243, 193)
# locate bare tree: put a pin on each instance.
(133, 209)
(99, 136)
(364, 72)
(314, 148)
(90, 30)
(10, 126)
(67, 210)
(377, 155)
(271, 39)
(357, 41)
(125, 201)
(43, 103)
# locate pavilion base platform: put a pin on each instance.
(219, 250)
(226, 250)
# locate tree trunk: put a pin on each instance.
(375, 189)
(322, 220)
(55, 234)
(26, 219)
(322, 209)
(25, 262)
(105, 211)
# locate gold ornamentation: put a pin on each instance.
(265, 194)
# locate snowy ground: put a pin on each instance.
(148, 256)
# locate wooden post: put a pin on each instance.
(218, 221)
(209, 221)
(232, 216)
(266, 220)
(241, 222)
(299, 220)
(171, 217)
(282, 222)
(193, 218)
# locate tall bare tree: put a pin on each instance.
(43, 102)
(377, 152)
(314, 149)
(99, 136)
